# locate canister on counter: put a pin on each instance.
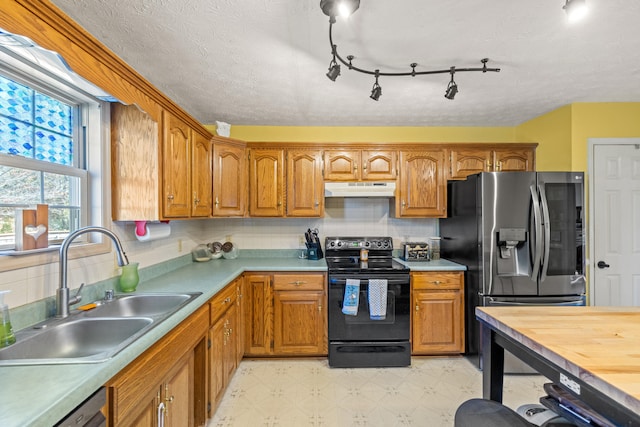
(434, 247)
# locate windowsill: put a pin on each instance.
(11, 252)
(14, 260)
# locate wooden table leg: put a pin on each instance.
(492, 365)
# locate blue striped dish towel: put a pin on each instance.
(351, 297)
(378, 299)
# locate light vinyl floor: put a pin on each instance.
(306, 392)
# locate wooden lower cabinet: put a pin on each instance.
(438, 312)
(285, 314)
(224, 340)
(163, 386)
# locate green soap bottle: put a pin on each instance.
(6, 331)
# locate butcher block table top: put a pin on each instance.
(599, 346)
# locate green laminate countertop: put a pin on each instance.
(41, 395)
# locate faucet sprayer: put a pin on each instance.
(62, 295)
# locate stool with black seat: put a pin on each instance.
(487, 413)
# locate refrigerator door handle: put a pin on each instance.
(547, 233)
(537, 233)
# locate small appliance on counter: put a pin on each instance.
(415, 251)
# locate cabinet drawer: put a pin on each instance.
(297, 282)
(222, 301)
(439, 280)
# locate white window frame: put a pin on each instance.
(95, 123)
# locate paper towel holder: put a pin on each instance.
(142, 228)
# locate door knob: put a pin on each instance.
(602, 264)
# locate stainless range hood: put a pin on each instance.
(359, 189)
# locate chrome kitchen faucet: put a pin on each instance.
(62, 295)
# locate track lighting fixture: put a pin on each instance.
(334, 70)
(575, 9)
(377, 90)
(333, 8)
(452, 87)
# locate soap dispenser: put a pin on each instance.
(6, 331)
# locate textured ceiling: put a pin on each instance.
(263, 62)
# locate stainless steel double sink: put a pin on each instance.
(95, 335)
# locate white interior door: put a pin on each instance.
(615, 202)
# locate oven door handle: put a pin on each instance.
(342, 281)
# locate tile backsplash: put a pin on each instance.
(343, 217)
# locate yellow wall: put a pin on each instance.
(552, 132)
(371, 134)
(562, 134)
(601, 120)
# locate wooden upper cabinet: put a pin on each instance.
(266, 182)
(360, 165)
(341, 165)
(229, 179)
(421, 190)
(305, 186)
(514, 160)
(465, 161)
(379, 165)
(135, 165)
(176, 164)
(201, 176)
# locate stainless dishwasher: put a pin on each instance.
(88, 413)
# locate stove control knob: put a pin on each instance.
(339, 244)
(332, 243)
(367, 243)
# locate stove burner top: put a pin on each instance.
(343, 255)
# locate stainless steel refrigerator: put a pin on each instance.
(520, 234)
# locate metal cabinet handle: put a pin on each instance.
(417, 307)
(298, 282)
(355, 166)
(404, 204)
(488, 165)
(364, 166)
(320, 307)
(217, 202)
(499, 166)
(227, 300)
(279, 203)
(170, 197)
(602, 264)
(436, 282)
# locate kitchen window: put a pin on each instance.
(51, 149)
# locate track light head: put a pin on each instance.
(452, 87)
(334, 71)
(376, 92)
(575, 9)
(343, 8)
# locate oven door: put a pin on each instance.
(395, 327)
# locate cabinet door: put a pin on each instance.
(266, 183)
(240, 320)
(467, 161)
(151, 413)
(436, 323)
(514, 160)
(230, 343)
(176, 163)
(216, 363)
(229, 180)
(305, 186)
(298, 322)
(422, 185)
(201, 176)
(258, 320)
(379, 165)
(341, 165)
(178, 395)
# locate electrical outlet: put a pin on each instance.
(228, 238)
(179, 245)
(301, 240)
